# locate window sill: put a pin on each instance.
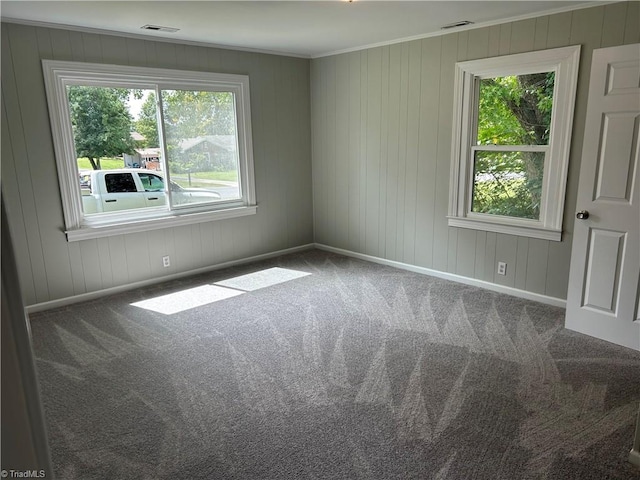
(141, 225)
(520, 230)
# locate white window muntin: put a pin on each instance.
(60, 74)
(564, 62)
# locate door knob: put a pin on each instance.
(582, 215)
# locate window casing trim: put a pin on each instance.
(564, 62)
(151, 222)
(60, 74)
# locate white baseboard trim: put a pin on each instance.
(634, 457)
(516, 292)
(62, 302)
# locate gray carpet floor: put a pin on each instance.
(353, 371)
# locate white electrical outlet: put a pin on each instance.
(166, 261)
(502, 268)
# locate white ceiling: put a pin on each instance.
(299, 28)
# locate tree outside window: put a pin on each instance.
(192, 128)
(513, 111)
(512, 128)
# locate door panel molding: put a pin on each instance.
(623, 78)
(605, 255)
(617, 157)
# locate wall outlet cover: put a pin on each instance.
(502, 268)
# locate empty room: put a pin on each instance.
(320, 240)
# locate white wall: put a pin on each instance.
(24, 439)
(381, 136)
(49, 267)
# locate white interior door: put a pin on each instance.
(604, 281)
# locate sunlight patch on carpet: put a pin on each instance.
(187, 299)
(262, 279)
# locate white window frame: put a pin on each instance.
(564, 62)
(60, 74)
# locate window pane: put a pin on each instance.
(120, 183)
(515, 110)
(201, 137)
(109, 133)
(508, 183)
(151, 182)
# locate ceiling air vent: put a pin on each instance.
(462, 23)
(158, 28)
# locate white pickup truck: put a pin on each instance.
(129, 188)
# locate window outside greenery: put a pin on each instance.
(200, 134)
(511, 140)
(181, 138)
(116, 128)
(514, 120)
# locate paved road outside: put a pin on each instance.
(225, 188)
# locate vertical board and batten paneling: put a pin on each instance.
(541, 33)
(480, 255)
(403, 155)
(389, 210)
(324, 148)
(36, 181)
(427, 149)
(372, 149)
(353, 158)
(363, 159)
(51, 268)
(298, 165)
(341, 191)
(490, 262)
(331, 173)
(384, 148)
(632, 26)
(440, 165)
(24, 243)
(412, 141)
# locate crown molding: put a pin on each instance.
(150, 38)
(474, 26)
